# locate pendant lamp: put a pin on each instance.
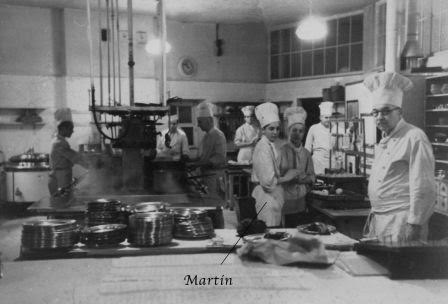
(312, 27)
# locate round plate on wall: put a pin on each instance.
(187, 66)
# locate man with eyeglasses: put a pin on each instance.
(401, 183)
(247, 136)
(318, 139)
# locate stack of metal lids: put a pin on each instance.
(145, 207)
(50, 234)
(192, 223)
(150, 229)
(104, 235)
(103, 211)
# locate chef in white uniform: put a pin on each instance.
(265, 168)
(401, 184)
(246, 136)
(318, 139)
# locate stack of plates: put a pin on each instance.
(192, 223)
(150, 229)
(149, 207)
(103, 211)
(109, 235)
(49, 234)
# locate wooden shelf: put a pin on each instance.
(437, 126)
(20, 124)
(440, 161)
(437, 110)
(445, 144)
(437, 95)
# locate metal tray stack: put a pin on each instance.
(104, 235)
(52, 234)
(146, 207)
(103, 211)
(192, 224)
(150, 229)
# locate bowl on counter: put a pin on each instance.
(440, 137)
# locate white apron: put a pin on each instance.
(271, 213)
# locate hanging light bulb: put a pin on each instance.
(154, 47)
(312, 27)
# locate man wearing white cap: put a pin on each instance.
(173, 142)
(318, 140)
(295, 157)
(246, 136)
(265, 168)
(213, 152)
(62, 157)
(401, 185)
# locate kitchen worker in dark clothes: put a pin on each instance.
(62, 159)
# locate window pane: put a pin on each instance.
(344, 30)
(356, 28)
(295, 42)
(318, 62)
(295, 65)
(332, 31)
(343, 59)
(274, 42)
(173, 110)
(330, 60)
(285, 66)
(274, 67)
(307, 45)
(285, 40)
(356, 57)
(189, 132)
(185, 114)
(317, 44)
(307, 58)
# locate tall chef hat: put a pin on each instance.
(266, 113)
(295, 115)
(387, 88)
(205, 109)
(63, 114)
(326, 108)
(248, 110)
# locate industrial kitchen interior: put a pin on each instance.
(200, 151)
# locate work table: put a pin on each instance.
(161, 279)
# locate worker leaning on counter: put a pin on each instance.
(318, 140)
(62, 157)
(213, 152)
(246, 136)
(295, 157)
(173, 142)
(401, 185)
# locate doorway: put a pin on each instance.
(311, 106)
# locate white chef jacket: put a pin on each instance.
(265, 173)
(246, 134)
(318, 143)
(402, 179)
(178, 145)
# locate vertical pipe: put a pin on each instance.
(118, 53)
(391, 36)
(112, 28)
(89, 37)
(131, 55)
(100, 48)
(108, 52)
(163, 55)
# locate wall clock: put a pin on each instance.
(187, 66)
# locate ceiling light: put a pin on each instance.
(154, 47)
(312, 27)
